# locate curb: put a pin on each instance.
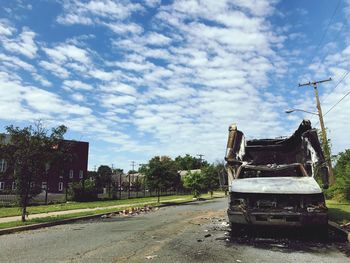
(340, 230)
(11, 230)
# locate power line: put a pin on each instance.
(326, 31)
(324, 35)
(335, 38)
(340, 81)
(337, 103)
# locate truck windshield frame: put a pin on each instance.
(252, 171)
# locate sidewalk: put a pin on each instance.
(42, 215)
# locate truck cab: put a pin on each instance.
(276, 195)
(272, 181)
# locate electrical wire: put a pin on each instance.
(326, 31)
(340, 81)
(337, 103)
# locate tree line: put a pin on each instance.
(31, 151)
(341, 189)
(161, 173)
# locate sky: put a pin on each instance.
(143, 78)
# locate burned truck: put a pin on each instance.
(273, 181)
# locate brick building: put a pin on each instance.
(58, 176)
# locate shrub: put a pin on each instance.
(84, 194)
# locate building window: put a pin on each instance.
(43, 185)
(71, 174)
(2, 185)
(81, 174)
(60, 186)
(14, 185)
(3, 165)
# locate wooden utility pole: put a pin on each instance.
(200, 159)
(323, 128)
(133, 169)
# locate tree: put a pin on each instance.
(105, 177)
(189, 162)
(27, 153)
(222, 174)
(341, 189)
(194, 181)
(210, 178)
(160, 173)
(84, 194)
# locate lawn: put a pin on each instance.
(126, 204)
(15, 211)
(339, 212)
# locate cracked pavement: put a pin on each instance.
(195, 232)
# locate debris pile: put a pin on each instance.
(132, 211)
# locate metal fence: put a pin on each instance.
(10, 200)
(138, 194)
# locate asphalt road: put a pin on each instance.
(171, 234)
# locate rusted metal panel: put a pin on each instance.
(271, 180)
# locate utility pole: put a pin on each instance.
(133, 165)
(200, 159)
(133, 169)
(323, 129)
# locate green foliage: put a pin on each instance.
(84, 191)
(189, 162)
(210, 176)
(195, 181)
(104, 178)
(27, 153)
(341, 189)
(326, 146)
(105, 174)
(339, 212)
(161, 173)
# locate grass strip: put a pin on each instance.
(102, 211)
(15, 211)
(338, 212)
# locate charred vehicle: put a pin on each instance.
(272, 181)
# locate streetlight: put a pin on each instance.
(292, 110)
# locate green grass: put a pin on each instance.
(339, 212)
(107, 210)
(15, 211)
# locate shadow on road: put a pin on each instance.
(289, 239)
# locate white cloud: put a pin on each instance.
(119, 88)
(110, 100)
(5, 28)
(102, 12)
(77, 85)
(29, 103)
(122, 28)
(152, 3)
(55, 69)
(67, 52)
(157, 39)
(24, 44)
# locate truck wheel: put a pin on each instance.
(236, 229)
(322, 232)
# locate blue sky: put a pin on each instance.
(144, 78)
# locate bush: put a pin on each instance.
(84, 194)
(195, 182)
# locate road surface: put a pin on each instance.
(194, 232)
